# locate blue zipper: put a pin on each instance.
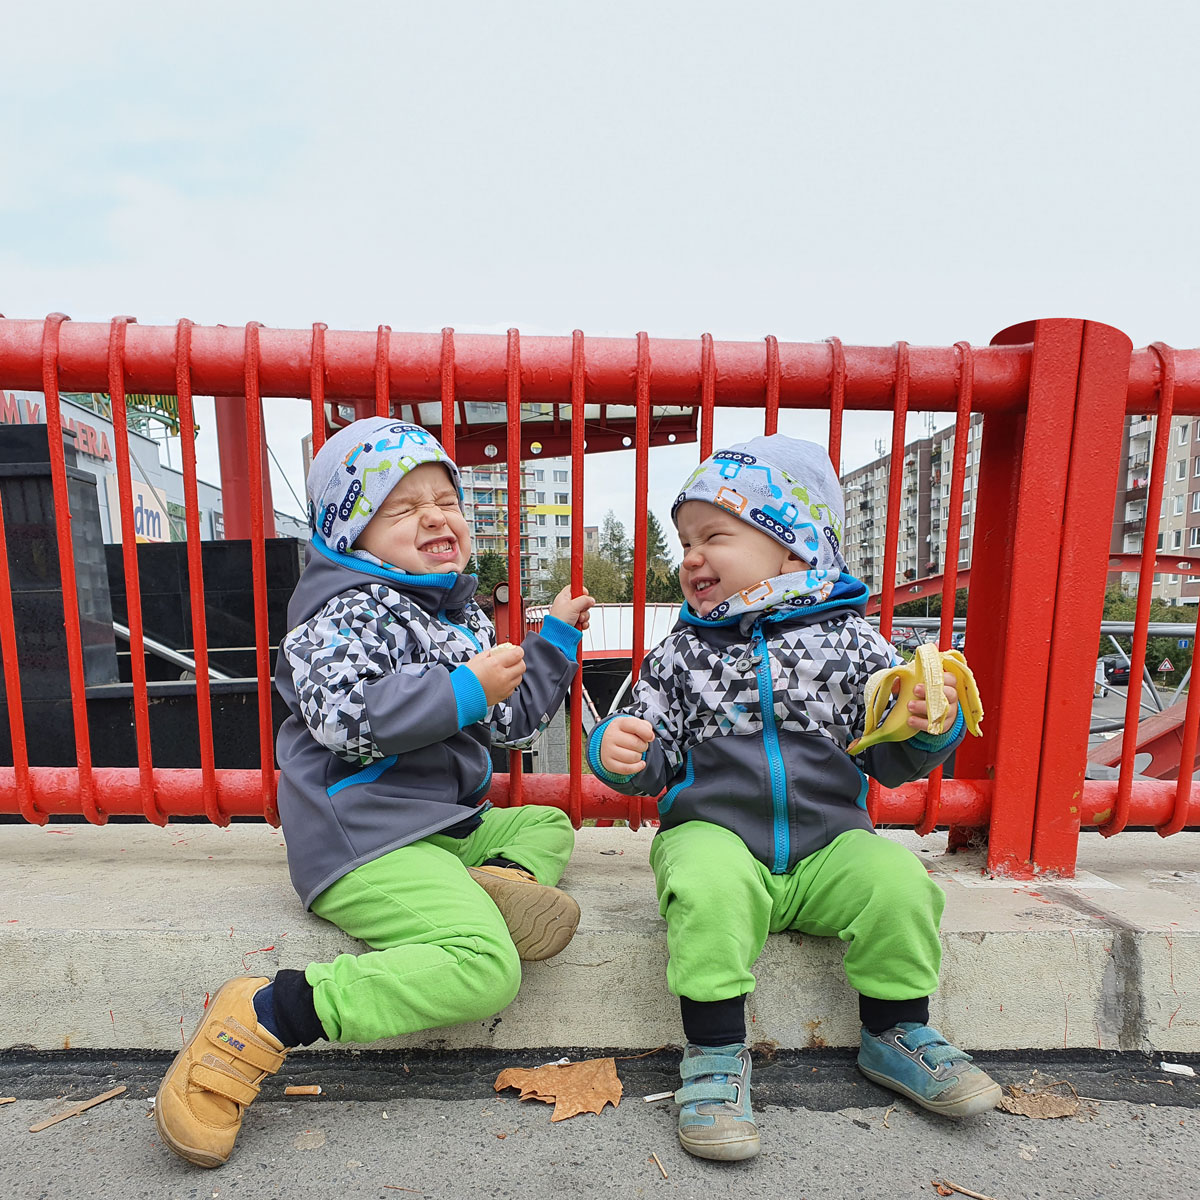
(483, 787)
(766, 704)
(664, 805)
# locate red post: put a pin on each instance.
(235, 470)
(1086, 530)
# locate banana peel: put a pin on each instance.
(927, 668)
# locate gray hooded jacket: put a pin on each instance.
(389, 734)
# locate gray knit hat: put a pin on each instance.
(783, 487)
(355, 471)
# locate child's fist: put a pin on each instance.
(499, 670)
(625, 740)
(919, 710)
(572, 609)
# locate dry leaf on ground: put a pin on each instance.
(572, 1088)
(1058, 1099)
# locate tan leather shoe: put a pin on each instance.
(541, 920)
(199, 1106)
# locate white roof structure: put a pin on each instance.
(610, 630)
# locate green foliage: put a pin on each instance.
(614, 543)
(602, 578)
(932, 606)
(492, 568)
(1120, 607)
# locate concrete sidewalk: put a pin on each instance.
(111, 938)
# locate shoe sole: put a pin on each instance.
(978, 1102)
(730, 1151)
(196, 1157)
(541, 920)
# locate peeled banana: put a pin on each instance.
(927, 668)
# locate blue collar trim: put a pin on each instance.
(444, 580)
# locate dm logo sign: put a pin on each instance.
(150, 522)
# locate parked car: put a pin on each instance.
(958, 641)
(1116, 669)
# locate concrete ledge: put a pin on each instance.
(110, 939)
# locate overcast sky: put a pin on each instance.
(878, 171)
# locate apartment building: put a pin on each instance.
(924, 509)
(1179, 513)
(545, 512)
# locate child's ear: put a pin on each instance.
(792, 564)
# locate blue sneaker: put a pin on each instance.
(919, 1063)
(715, 1120)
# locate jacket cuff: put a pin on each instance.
(931, 744)
(593, 755)
(560, 635)
(469, 696)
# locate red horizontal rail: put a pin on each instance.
(744, 371)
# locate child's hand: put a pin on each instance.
(625, 740)
(919, 710)
(500, 670)
(572, 609)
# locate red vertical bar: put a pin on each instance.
(578, 401)
(516, 610)
(12, 689)
(641, 490)
(133, 587)
(708, 392)
(187, 444)
(962, 429)
(837, 400)
(895, 484)
(316, 386)
(383, 398)
(66, 559)
(448, 439)
(891, 535)
(1191, 719)
(1086, 534)
(1020, 705)
(1159, 464)
(771, 417)
(258, 557)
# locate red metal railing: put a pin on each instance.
(1054, 395)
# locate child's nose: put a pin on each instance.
(693, 558)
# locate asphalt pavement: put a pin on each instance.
(429, 1124)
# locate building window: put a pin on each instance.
(1194, 537)
(1176, 539)
(560, 477)
(562, 519)
(1196, 465)
(1181, 469)
(564, 543)
(562, 498)
(1196, 502)
(541, 498)
(539, 476)
(1183, 432)
(1178, 506)
(541, 518)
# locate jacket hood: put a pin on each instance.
(328, 573)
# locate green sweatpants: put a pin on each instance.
(720, 903)
(440, 951)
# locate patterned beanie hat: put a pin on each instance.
(355, 471)
(783, 487)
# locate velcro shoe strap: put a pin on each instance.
(239, 1047)
(921, 1037)
(239, 1090)
(706, 1093)
(710, 1064)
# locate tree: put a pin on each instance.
(492, 568)
(602, 578)
(614, 544)
(658, 554)
(1120, 607)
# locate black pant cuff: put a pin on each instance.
(878, 1015)
(714, 1022)
(295, 1010)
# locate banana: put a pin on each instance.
(926, 668)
